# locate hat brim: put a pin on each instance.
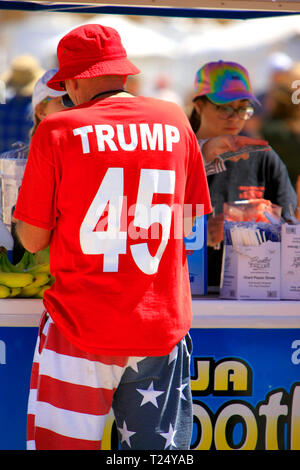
(228, 97)
(121, 66)
(55, 93)
(37, 98)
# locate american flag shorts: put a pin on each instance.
(72, 394)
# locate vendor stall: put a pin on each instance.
(246, 357)
(245, 373)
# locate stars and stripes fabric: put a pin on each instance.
(72, 393)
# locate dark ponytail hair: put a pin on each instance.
(195, 120)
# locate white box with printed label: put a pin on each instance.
(251, 272)
(290, 262)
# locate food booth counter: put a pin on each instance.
(246, 359)
(245, 371)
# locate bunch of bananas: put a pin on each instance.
(26, 279)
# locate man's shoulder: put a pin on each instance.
(56, 120)
(163, 103)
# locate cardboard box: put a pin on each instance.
(196, 251)
(251, 272)
(290, 262)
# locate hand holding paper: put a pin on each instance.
(217, 146)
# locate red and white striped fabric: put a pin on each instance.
(71, 393)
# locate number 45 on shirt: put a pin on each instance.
(112, 242)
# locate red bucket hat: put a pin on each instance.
(91, 51)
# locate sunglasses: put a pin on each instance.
(66, 101)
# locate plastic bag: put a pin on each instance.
(251, 222)
(252, 210)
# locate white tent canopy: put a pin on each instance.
(249, 42)
(169, 46)
(138, 40)
(242, 35)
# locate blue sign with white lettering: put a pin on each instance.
(246, 389)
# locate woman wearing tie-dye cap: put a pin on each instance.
(223, 99)
(223, 102)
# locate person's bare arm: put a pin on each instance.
(223, 143)
(215, 229)
(188, 223)
(32, 238)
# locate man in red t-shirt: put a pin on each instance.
(107, 184)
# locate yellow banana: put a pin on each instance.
(16, 279)
(4, 291)
(39, 268)
(40, 279)
(40, 293)
(29, 291)
(14, 291)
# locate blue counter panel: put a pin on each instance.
(245, 384)
(16, 353)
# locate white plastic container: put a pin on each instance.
(12, 166)
(6, 240)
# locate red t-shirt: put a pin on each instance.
(110, 179)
